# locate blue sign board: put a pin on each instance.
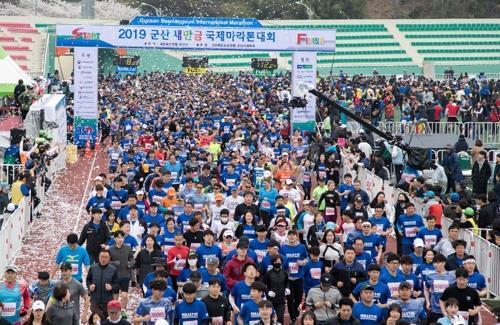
(195, 21)
(123, 69)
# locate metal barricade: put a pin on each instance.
(487, 132)
(8, 172)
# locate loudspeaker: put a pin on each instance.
(16, 135)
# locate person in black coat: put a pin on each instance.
(18, 90)
(461, 144)
(96, 234)
(481, 173)
(276, 281)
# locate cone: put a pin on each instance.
(97, 146)
(87, 149)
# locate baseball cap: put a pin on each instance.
(212, 260)
(289, 182)
(326, 278)
(454, 197)
(38, 305)
(404, 284)
(368, 287)
(228, 233)
(418, 242)
(233, 188)
(192, 255)
(313, 204)
(11, 268)
(140, 192)
(429, 194)
(469, 211)
(98, 178)
(114, 305)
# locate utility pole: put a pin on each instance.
(88, 9)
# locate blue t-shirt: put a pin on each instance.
(249, 312)
(128, 240)
(381, 294)
(392, 281)
(241, 293)
(406, 224)
(372, 242)
(155, 309)
(437, 283)
(430, 237)
(382, 224)
(77, 258)
(260, 248)
(365, 259)
(477, 281)
(203, 252)
(413, 280)
(367, 315)
(193, 313)
(205, 277)
(312, 274)
(294, 254)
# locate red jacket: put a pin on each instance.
(233, 271)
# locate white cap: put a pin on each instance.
(228, 233)
(11, 207)
(418, 242)
(140, 192)
(38, 305)
(289, 182)
(98, 178)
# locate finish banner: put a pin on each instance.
(304, 69)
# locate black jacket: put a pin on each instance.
(341, 272)
(337, 321)
(488, 214)
(480, 177)
(242, 208)
(276, 282)
(451, 263)
(94, 238)
(99, 275)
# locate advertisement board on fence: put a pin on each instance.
(195, 38)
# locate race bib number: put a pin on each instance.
(115, 155)
(306, 178)
(316, 273)
(198, 206)
(440, 286)
(293, 267)
(330, 211)
(464, 314)
(322, 174)
(173, 175)
(157, 199)
(190, 322)
(410, 232)
(194, 246)
(380, 228)
(157, 313)
(260, 255)
(116, 205)
(430, 240)
(148, 146)
(230, 182)
(219, 320)
(8, 309)
(179, 264)
(74, 268)
(266, 204)
(393, 287)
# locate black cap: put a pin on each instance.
(326, 278)
(404, 284)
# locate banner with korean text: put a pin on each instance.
(304, 69)
(195, 38)
(85, 94)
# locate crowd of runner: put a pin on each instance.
(221, 213)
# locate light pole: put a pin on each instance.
(310, 12)
(157, 11)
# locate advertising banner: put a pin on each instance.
(195, 38)
(85, 93)
(195, 21)
(304, 69)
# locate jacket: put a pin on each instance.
(317, 294)
(480, 177)
(277, 282)
(337, 321)
(121, 259)
(94, 238)
(233, 271)
(488, 214)
(58, 313)
(100, 275)
(342, 272)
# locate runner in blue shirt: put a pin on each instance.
(362, 257)
(409, 276)
(365, 310)
(259, 244)
(429, 234)
(344, 189)
(207, 248)
(211, 270)
(312, 270)
(434, 286)
(476, 279)
(155, 307)
(76, 255)
(408, 225)
(382, 225)
(249, 313)
(418, 253)
(373, 242)
(190, 311)
(381, 290)
(240, 293)
(413, 310)
(426, 267)
(392, 275)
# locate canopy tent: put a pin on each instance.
(11, 73)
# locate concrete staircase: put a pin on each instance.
(404, 42)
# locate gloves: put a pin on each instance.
(287, 292)
(271, 294)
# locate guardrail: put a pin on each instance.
(487, 132)
(8, 172)
(487, 254)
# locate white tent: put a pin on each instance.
(10, 75)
